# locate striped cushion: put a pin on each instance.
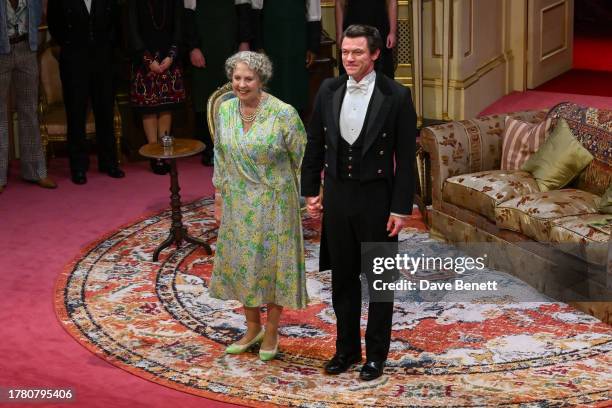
(520, 140)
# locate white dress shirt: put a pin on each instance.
(355, 106)
(88, 5)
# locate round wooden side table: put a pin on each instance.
(180, 148)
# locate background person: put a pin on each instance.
(214, 30)
(289, 32)
(19, 20)
(381, 14)
(85, 31)
(157, 75)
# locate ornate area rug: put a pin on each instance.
(156, 321)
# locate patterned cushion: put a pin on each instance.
(533, 214)
(483, 191)
(593, 128)
(559, 160)
(592, 241)
(520, 140)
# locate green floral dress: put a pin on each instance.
(260, 251)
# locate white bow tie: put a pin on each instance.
(357, 87)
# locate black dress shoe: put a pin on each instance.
(371, 370)
(115, 172)
(341, 362)
(78, 177)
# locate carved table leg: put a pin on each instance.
(178, 232)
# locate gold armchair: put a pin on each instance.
(52, 114)
(222, 94)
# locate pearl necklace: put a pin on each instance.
(249, 118)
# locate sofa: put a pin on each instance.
(474, 201)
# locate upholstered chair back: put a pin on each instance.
(215, 100)
(49, 75)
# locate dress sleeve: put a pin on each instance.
(219, 172)
(136, 42)
(190, 37)
(294, 135)
(177, 35)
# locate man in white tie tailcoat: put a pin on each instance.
(362, 134)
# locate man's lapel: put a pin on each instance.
(337, 98)
(81, 4)
(377, 113)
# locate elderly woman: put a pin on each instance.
(259, 145)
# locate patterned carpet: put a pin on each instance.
(156, 321)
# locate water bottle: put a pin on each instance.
(167, 142)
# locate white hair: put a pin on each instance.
(258, 62)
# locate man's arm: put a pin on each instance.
(402, 197)
(245, 33)
(391, 40)
(314, 156)
(55, 21)
(339, 14)
(313, 28)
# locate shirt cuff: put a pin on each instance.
(400, 215)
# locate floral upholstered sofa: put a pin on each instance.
(474, 201)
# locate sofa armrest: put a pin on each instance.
(467, 146)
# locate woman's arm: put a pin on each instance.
(294, 135)
(177, 35)
(218, 179)
(136, 42)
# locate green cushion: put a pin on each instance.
(559, 159)
(605, 205)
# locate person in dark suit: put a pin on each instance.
(85, 30)
(381, 14)
(363, 135)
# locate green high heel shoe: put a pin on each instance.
(241, 348)
(267, 355)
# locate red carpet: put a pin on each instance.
(582, 82)
(40, 232)
(593, 50)
(591, 72)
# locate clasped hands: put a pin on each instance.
(159, 68)
(314, 207)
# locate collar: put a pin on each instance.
(366, 80)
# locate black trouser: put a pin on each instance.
(356, 213)
(202, 132)
(86, 74)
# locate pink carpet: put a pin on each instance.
(43, 230)
(519, 101)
